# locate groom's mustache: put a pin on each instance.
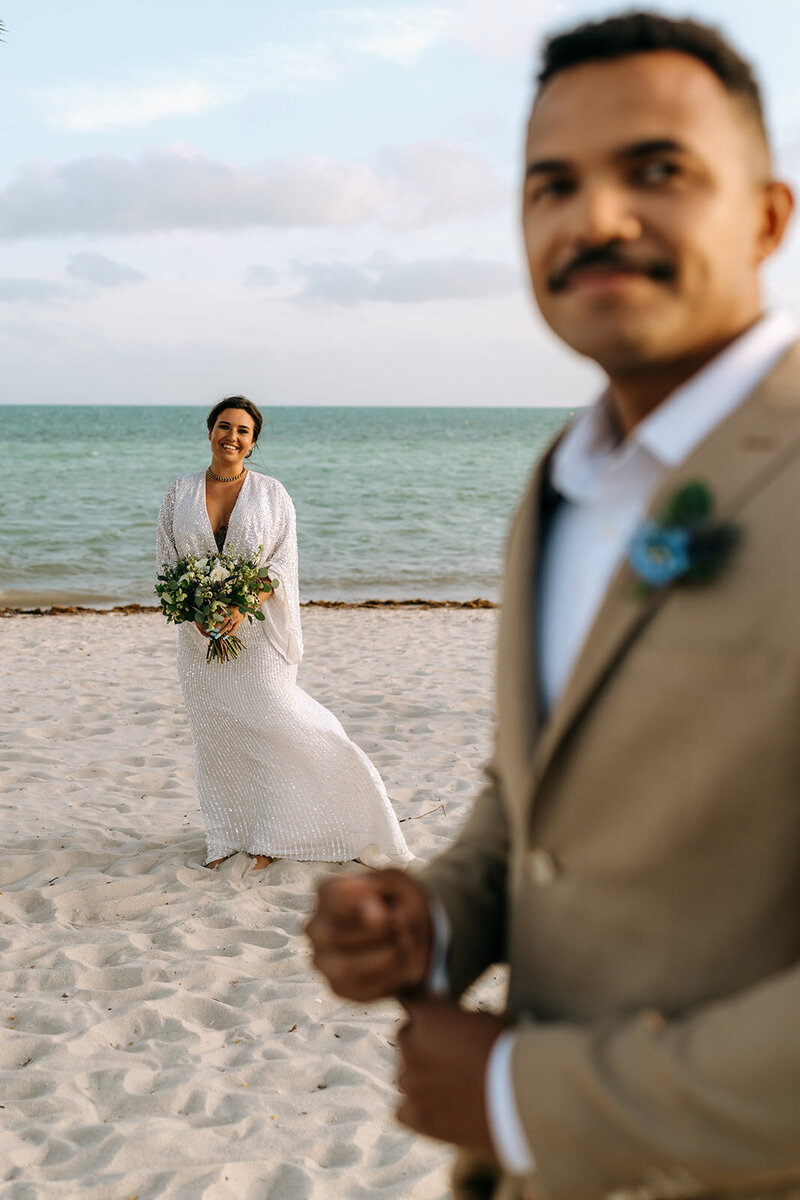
(611, 258)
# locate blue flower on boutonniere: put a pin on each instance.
(683, 545)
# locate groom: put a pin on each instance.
(635, 854)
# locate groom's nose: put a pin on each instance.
(601, 211)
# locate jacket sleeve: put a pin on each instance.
(706, 1101)
(166, 550)
(469, 879)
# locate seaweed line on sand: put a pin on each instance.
(69, 610)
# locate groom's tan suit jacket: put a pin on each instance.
(635, 856)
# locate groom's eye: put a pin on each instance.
(657, 172)
(556, 187)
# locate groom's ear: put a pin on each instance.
(777, 212)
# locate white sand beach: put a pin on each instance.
(162, 1033)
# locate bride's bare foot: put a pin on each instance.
(212, 866)
(260, 861)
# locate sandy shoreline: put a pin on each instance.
(162, 1034)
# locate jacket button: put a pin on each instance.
(543, 868)
(652, 1020)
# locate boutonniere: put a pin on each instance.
(683, 545)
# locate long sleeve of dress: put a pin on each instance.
(282, 609)
(166, 550)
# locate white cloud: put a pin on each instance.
(176, 190)
(334, 283)
(273, 66)
(14, 290)
(414, 186)
(436, 182)
(33, 333)
(443, 279)
(318, 191)
(189, 91)
(259, 276)
(386, 279)
(101, 109)
(400, 36)
(102, 271)
(334, 45)
(331, 45)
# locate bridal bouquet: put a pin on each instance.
(204, 589)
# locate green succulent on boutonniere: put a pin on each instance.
(683, 545)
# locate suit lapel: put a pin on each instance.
(736, 460)
(518, 702)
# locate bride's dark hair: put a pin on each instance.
(237, 402)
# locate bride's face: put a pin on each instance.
(232, 435)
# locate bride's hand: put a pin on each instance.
(232, 622)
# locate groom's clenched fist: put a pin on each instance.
(372, 935)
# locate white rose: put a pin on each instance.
(218, 574)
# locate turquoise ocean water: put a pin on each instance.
(391, 503)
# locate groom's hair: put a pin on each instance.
(643, 32)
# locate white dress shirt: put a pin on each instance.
(607, 487)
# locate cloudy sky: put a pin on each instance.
(308, 201)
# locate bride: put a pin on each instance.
(277, 776)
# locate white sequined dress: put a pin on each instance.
(276, 773)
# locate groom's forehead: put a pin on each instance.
(637, 98)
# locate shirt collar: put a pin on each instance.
(672, 430)
(591, 449)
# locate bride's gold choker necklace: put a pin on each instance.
(225, 478)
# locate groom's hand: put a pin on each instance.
(372, 935)
(444, 1053)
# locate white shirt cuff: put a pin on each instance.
(508, 1136)
(438, 977)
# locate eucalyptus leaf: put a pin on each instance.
(690, 506)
